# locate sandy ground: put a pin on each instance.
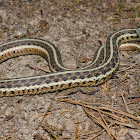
(75, 27)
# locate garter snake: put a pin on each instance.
(104, 65)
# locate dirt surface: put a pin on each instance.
(75, 27)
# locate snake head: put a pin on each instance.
(138, 32)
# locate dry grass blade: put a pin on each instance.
(125, 103)
(103, 90)
(49, 130)
(124, 124)
(37, 67)
(86, 134)
(107, 125)
(47, 110)
(119, 112)
(128, 68)
(138, 131)
(52, 112)
(77, 130)
(120, 119)
(134, 101)
(106, 87)
(94, 118)
(123, 78)
(106, 110)
(100, 132)
(65, 138)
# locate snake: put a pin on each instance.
(104, 65)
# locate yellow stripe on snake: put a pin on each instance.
(102, 68)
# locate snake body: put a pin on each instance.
(104, 65)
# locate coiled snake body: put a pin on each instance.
(104, 65)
